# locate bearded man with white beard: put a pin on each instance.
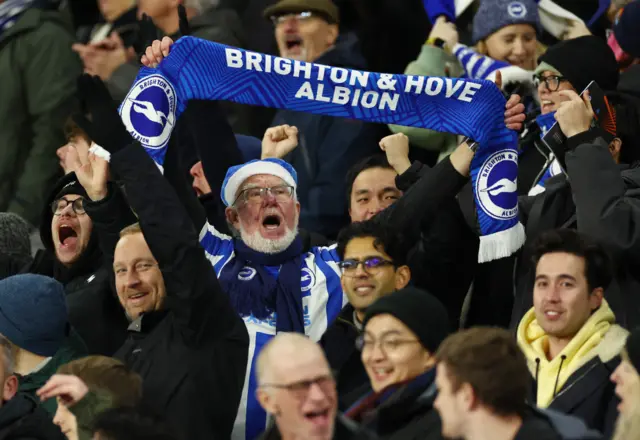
(272, 282)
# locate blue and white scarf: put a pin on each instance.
(546, 122)
(199, 69)
(478, 66)
(10, 11)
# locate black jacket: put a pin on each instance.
(588, 393)
(192, 355)
(339, 345)
(94, 310)
(600, 199)
(406, 413)
(445, 253)
(540, 424)
(328, 147)
(22, 419)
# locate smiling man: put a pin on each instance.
(570, 338)
(373, 265)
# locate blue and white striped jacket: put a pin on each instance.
(322, 300)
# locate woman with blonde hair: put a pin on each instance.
(505, 35)
(627, 380)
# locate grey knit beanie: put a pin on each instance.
(493, 15)
(14, 236)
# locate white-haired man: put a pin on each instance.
(271, 282)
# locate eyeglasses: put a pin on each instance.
(300, 389)
(371, 265)
(280, 19)
(59, 205)
(282, 193)
(388, 345)
(552, 82)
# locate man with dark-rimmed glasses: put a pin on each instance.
(373, 262)
(73, 256)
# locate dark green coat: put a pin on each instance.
(38, 72)
(73, 348)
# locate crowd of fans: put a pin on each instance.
(295, 276)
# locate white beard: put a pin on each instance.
(258, 243)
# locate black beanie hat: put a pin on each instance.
(582, 60)
(633, 348)
(422, 312)
(68, 184)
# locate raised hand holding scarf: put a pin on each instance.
(198, 69)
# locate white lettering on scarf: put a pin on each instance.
(342, 95)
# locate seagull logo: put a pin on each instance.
(501, 186)
(152, 100)
(148, 110)
(499, 200)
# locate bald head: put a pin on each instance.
(287, 351)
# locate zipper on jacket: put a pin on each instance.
(574, 382)
(555, 386)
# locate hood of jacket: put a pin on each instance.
(90, 260)
(599, 338)
(33, 18)
(22, 417)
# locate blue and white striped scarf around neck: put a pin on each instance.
(10, 11)
(545, 122)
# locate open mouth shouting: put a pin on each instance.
(319, 418)
(67, 242)
(294, 45)
(273, 225)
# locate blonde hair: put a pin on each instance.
(131, 230)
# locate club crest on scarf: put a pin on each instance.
(247, 274)
(308, 280)
(198, 69)
(496, 185)
(149, 111)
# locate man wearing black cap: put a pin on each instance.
(307, 30)
(73, 255)
(627, 380)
